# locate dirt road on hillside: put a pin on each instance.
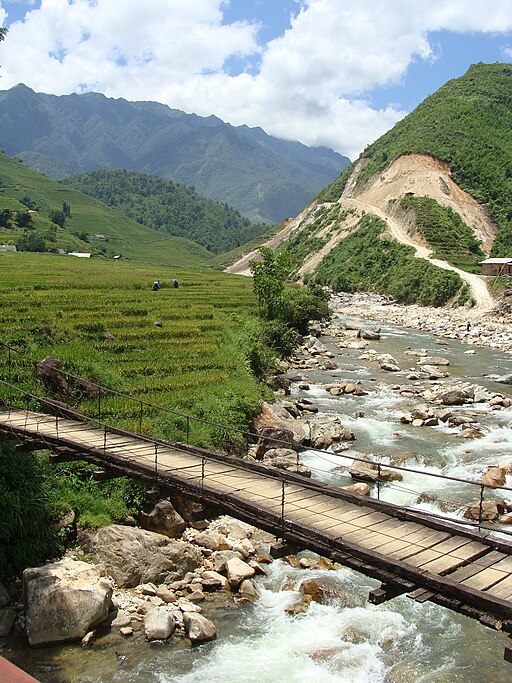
(483, 300)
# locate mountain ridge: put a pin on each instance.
(263, 177)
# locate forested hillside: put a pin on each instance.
(169, 207)
(468, 124)
(39, 214)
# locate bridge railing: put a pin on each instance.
(463, 492)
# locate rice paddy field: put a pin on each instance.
(180, 348)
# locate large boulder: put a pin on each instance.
(163, 519)
(323, 433)
(198, 628)
(491, 510)
(133, 556)
(369, 471)
(158, 624)
(238, 570)
(64, 601)
(285, 459)
(495, 476)
(274, 437)
(51, 375)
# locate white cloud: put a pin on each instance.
(311, 83)
(506, 50)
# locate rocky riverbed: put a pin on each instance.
(471, 326)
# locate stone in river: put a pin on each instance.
(495, 476)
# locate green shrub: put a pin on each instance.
(367, 261)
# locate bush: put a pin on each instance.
(31, 241)
(25, 512)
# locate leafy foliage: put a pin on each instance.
(445, 231)
(467, 124)
(286, 311)
(25, 512)
(169, 207)
(366, 260)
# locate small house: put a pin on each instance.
(7, 247)
(497, 266)
(80, 254)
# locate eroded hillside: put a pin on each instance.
(321, 226)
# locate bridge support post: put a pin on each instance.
(508, 654)
(386, 592)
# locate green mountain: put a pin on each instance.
(262, 177)
(170, 208)
(467, 123)
(423, 205)
(24, 190)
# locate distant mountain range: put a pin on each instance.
(264, 178)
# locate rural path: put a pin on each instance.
(479, 291)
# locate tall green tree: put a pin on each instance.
(269, 277)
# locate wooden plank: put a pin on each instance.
(504, 565)
(424, 556)
(443, 564)
(394, 546)
(503, 589)
(484, 579)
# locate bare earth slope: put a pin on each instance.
(415, 173)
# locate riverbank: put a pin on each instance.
(472, 326)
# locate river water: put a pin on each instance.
(347, 640)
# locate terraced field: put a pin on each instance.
(179, 348)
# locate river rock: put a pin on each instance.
(163, 519)
(133, 556)
(274, 437)
(311, 590)
(198, 628)
(433, 373)
(7, 619)
(368, 334)
(238, 570)
(433, 360)
(454, 397)
(369, 471)
(361, 488)
(211, 540)
(495, 476)
(285, 459)
(247, 590)
(64, 601)
(122, 619)
(387, 362)
(158, 624)
(323, 433)
(491, 510)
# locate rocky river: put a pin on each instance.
(389, 390)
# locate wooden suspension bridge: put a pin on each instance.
(409, 552)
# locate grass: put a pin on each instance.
(126, 237)
(179, 348)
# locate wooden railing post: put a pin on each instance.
(156, 464)
(140, 417)
(202, 476)
(188, 429)
(378, 481)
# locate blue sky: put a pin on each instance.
(326, 72)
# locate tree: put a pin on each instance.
(23, 219)
(269, 275)
(5, 217)
(57, 217)
(31, 241)
(66, 209)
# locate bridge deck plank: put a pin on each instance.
(503, 589)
